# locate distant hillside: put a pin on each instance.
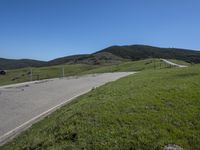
(68, 59)
(116, 54)
(136, 52)
(97, 58)
(110, 55)
(21, 63)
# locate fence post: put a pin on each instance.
(31, 74)
(63, 71)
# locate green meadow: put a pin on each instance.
(145, 111)
(40, 73)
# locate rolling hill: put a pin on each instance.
(110, 55)
(21, 63)
(94, 59)
(136, 52)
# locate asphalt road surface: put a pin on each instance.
(23, 104)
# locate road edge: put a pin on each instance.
(7, 137)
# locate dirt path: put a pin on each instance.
(173, 64)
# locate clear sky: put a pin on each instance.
(46, 29)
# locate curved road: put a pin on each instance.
(23, 104)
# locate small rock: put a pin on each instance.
(172, 147)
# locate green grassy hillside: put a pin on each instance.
(133, 66)
(180, 62)
(22, 75)
(147, 110)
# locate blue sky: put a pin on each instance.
(46, 29)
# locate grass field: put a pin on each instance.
(180, 62)
(145, 111)
(22, 75)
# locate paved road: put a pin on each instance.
(173, 64)
(23, 104)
